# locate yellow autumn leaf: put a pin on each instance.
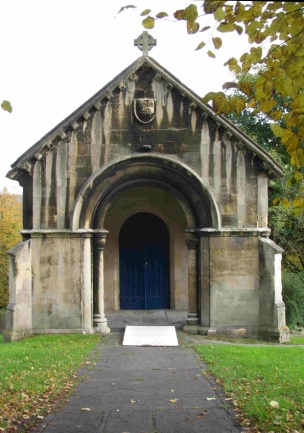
(217, 42)
(298, 202)
(200, 46)
(237, 103)
(211, 54)
(225, 27)
(6, 106)
(162, 15)
(208, 97)
(267, 105)
(294, 67)
(148, 22)
(246, 87)
(145, 12)
(192, 27)
(276, 115)
(173, 400)
(220, 103)
(285, 202)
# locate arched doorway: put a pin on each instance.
(144, 263)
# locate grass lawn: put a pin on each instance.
(256, 377)
(36, 372)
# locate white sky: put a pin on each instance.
(55, 54)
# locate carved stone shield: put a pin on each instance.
(145, 109)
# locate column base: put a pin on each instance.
(192, 326)
(101, 325)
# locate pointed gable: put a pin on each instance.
(106, 95)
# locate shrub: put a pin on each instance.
(293, 296)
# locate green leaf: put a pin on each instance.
(200, 46)
(148, 22)
(211, 54)
(219, 14)
(6, 106)
(162, 15)
(225, 27)
(217, 42)
(145, 12)
(191, 13)
(239, 29)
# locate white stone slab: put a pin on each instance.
(150, 336)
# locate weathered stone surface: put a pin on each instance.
(145, 144)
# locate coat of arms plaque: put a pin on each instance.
(145, 109)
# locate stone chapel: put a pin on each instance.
(144, 198)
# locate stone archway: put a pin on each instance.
(105, 192)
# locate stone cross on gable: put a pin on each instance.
(145, 42)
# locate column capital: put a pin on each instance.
(100, 239)
(191, 240)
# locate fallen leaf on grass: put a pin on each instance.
(274, 404)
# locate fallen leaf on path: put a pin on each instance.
(210, 398)
(173, 400)
(202, 414)
(86, 409)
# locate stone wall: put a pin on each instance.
(62, 282)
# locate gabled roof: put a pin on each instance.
(83, 112)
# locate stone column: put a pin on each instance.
(87, 282)
(99, 319)
(192, 319)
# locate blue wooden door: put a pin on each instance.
(144, 263)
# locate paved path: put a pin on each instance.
(144, 390)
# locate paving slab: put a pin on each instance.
(144, 390)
